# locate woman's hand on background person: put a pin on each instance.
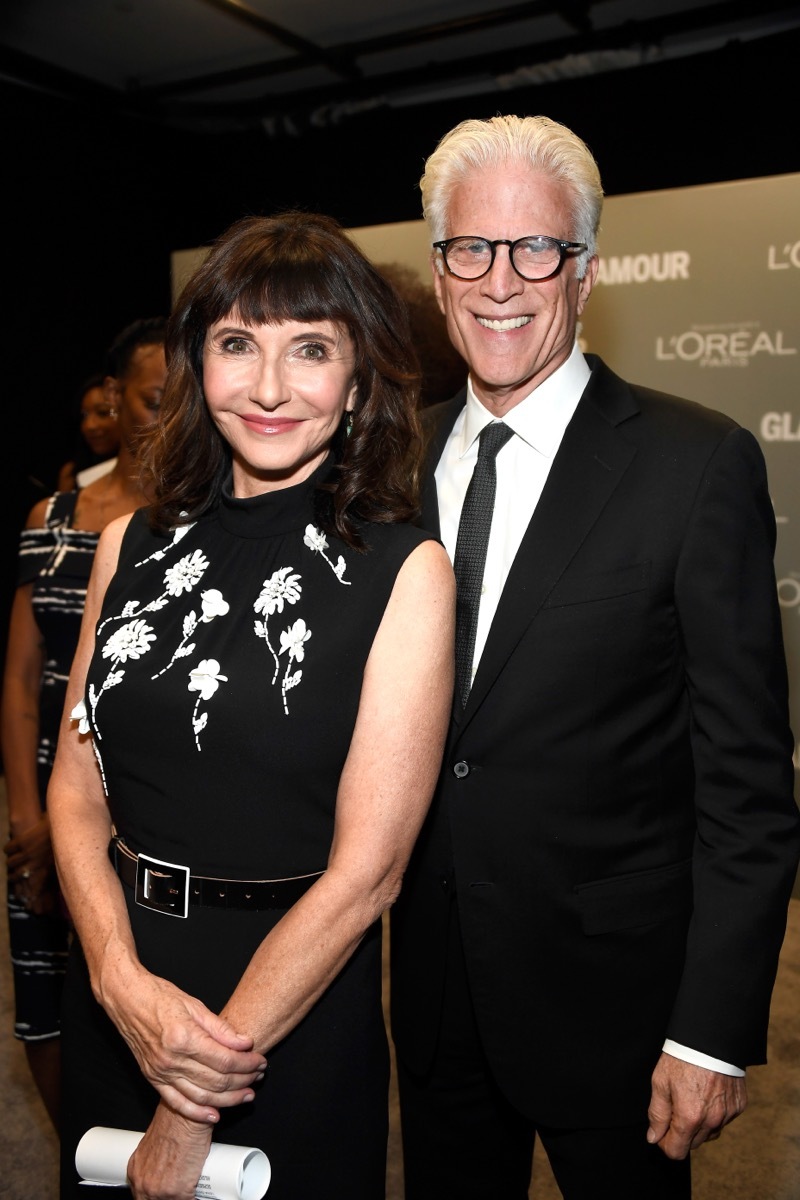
(31, 870)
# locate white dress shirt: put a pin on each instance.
(523, 464)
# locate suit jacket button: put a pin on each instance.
(461, 770)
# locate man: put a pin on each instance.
(588, 934)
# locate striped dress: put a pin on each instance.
(57, 560)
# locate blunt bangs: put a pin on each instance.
(294, 268)
(282, 290)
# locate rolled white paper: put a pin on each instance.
(229, 1172)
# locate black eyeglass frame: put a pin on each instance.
(564, 249)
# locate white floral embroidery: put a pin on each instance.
(130, 642)
(99, 759)
(293, 641)
(186, 573)
(179, 532)
(315, 540)
(281, 587)
(213, 604)
(205, 678)
(80, 715)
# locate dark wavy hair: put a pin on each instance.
(294, 266)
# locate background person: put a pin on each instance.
(441, 366)
(271, 637)
(57, 548)
(98, 439)
(590, 924)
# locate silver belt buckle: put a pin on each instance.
(162, 886)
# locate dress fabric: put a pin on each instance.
(56, 559)
(222, 698)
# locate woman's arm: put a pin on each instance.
(384, 794)
(177, 1041)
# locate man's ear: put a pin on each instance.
(586, 284)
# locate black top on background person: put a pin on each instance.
(590, 924)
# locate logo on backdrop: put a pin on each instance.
(731, 345)
(789, 592)
(780, 427)
(659, 267)
(782, 258)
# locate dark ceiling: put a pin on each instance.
(290, 65)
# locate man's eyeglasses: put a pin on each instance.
(534, 258)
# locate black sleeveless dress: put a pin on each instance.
(222, 698)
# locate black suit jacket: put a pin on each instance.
(615, 815)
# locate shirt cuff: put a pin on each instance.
(701, 1060)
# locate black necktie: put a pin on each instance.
(471, 544)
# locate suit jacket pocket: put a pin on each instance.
(642, 898)
(606, 585)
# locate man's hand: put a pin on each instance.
(690, 1105)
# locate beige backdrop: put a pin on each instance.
(699, 295)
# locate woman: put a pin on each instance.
(264, 678)
(57, 547)
(98, 440)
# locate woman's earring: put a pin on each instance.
(348, 428)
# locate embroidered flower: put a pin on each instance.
(293, 642)
(205, 678)
(188, 571)
(213, 604)
(294, 638)
(315, 540)
(281, 586)
(131, 641)
(80, 715)
(178, 579)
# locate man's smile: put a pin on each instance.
(502, 326)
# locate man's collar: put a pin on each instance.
(541, 418)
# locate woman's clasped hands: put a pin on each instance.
(194, 1058)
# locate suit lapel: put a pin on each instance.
(588, 467)
(437, 422)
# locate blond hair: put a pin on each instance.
(540, 143)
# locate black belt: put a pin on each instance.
(170, 888)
